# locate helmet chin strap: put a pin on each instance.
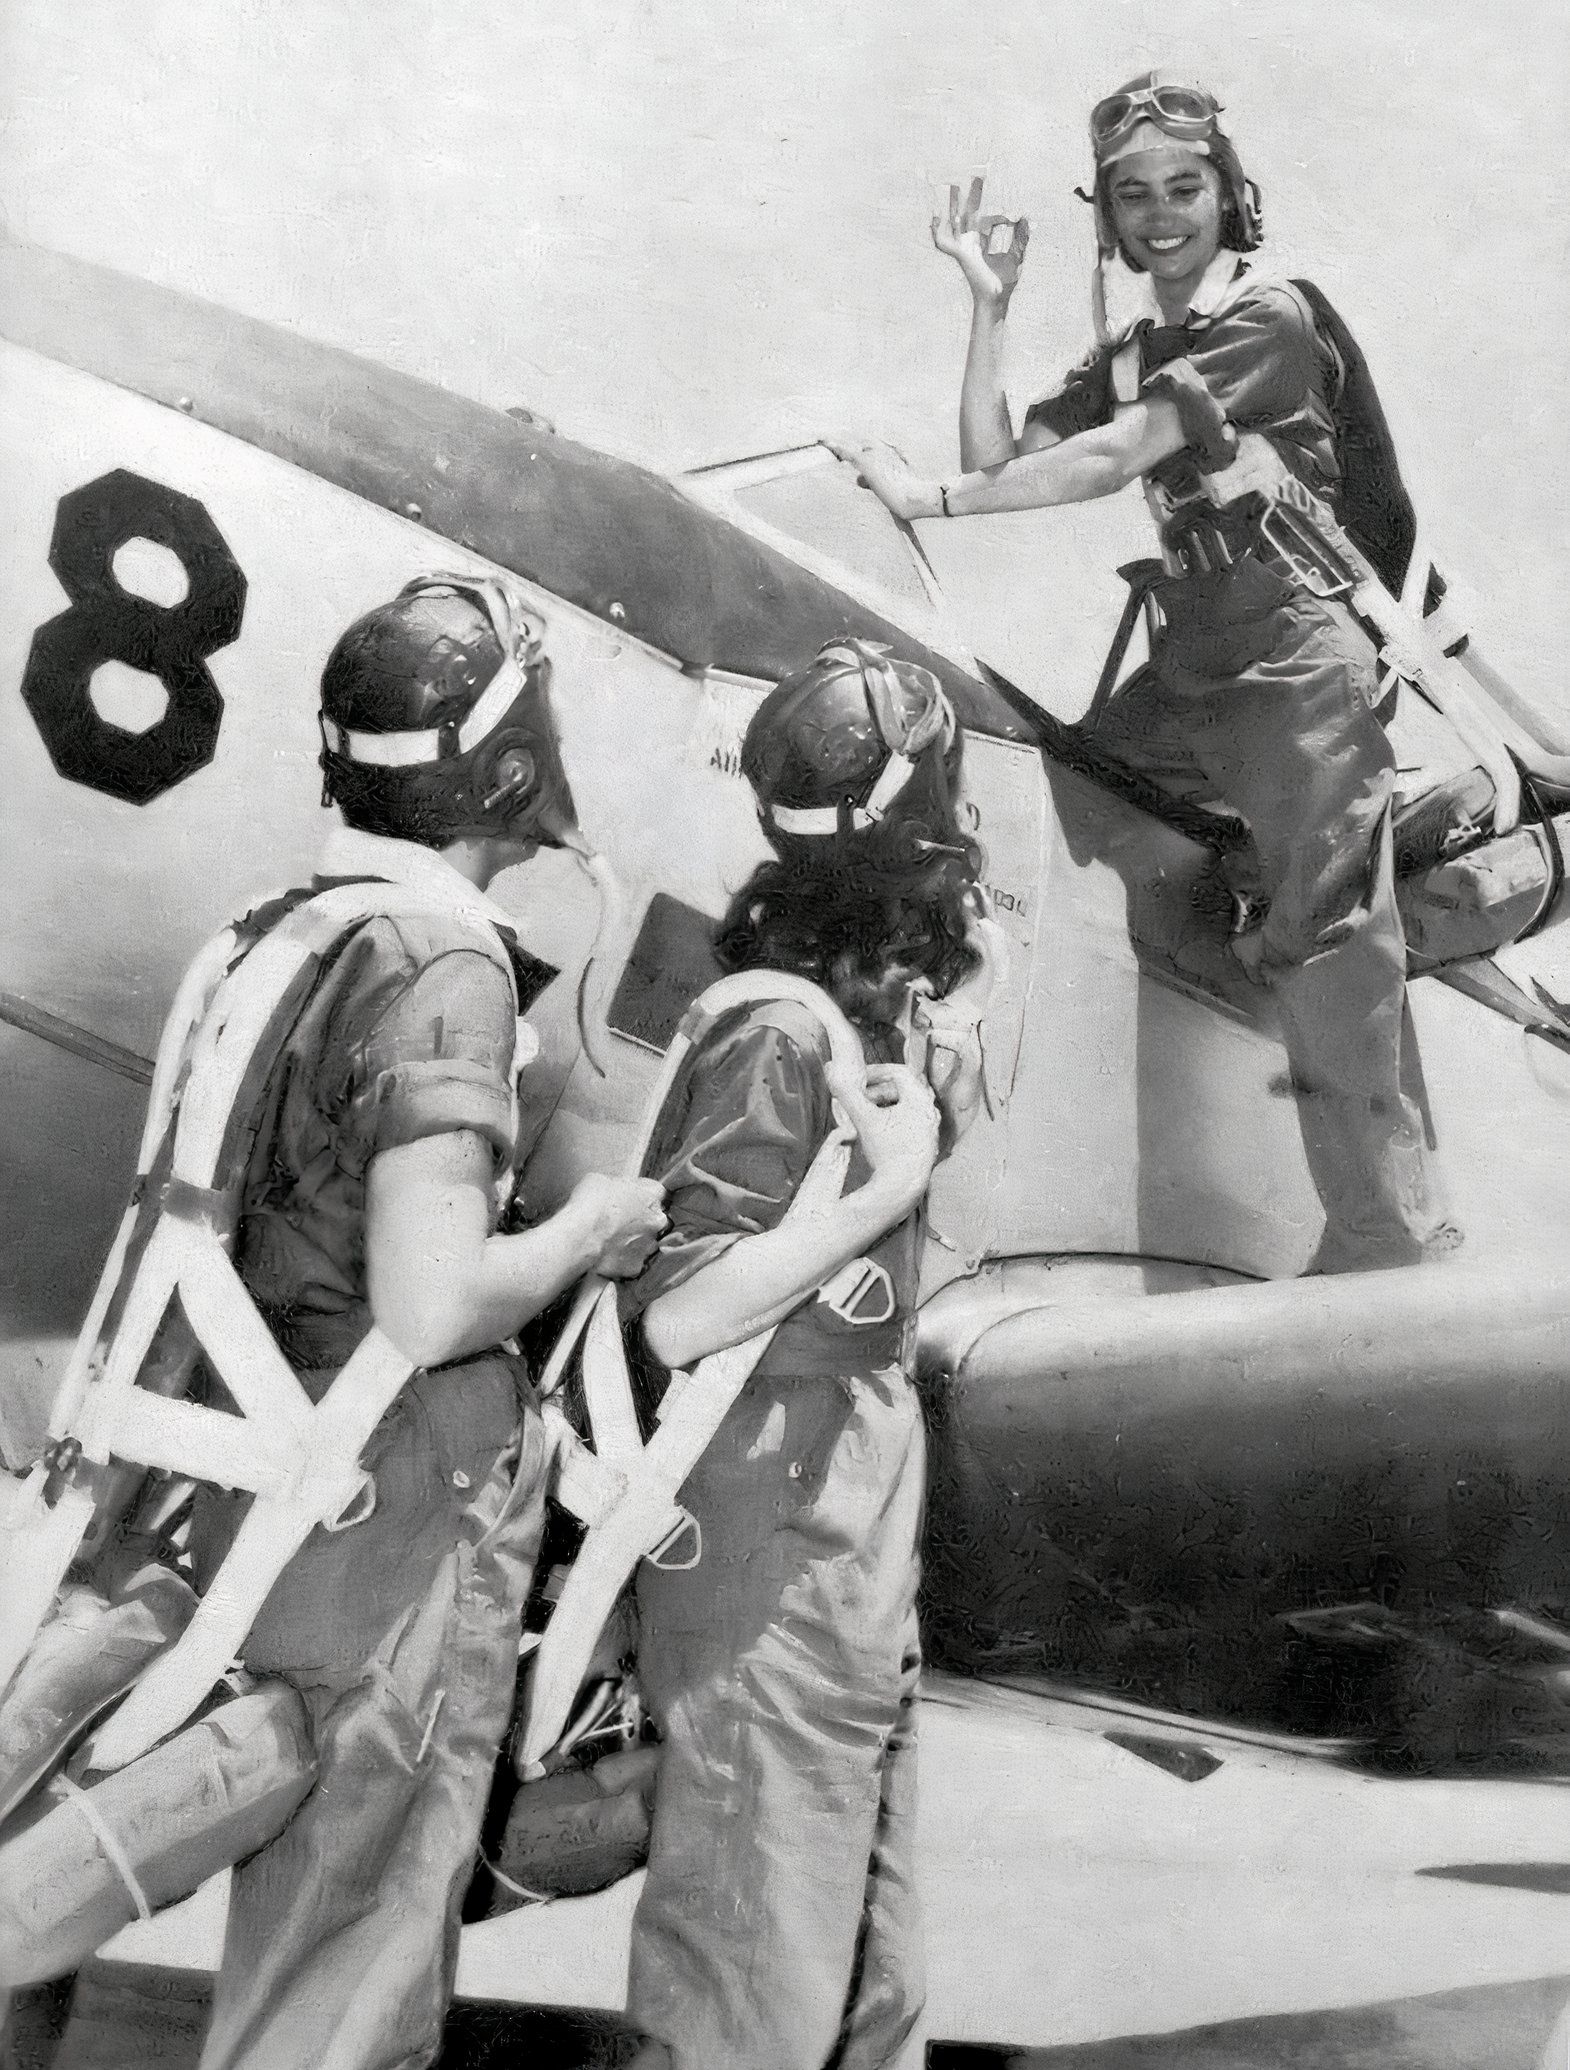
(519, 634)
(1098, 299)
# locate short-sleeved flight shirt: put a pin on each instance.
(740, 1132)
(410, 1034)
(1262, 359)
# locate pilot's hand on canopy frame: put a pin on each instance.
(884, 470)
(975, 243)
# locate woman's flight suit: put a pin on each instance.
(400, 1633)
(779, 1917)
(1261, 696)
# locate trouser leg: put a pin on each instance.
(343, 1935)
(888, 1984)
(147, 1835)
(1346, 1024)
(777, 1671)
(1290, 742)
(97, 1640)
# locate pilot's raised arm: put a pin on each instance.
(1260, 693)
(384, 1656)
(991, 269)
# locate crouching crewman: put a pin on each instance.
(387, 1649)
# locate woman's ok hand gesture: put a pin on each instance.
(974, 242)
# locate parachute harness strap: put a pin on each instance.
(298, 1458)
(81, 1801)
(626, 1491)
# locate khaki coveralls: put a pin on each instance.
(778, 1927)
(1260, 696)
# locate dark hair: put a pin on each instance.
(854, 914)
(1240, 216)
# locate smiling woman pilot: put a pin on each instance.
(1259, 694)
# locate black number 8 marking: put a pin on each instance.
(107, 623)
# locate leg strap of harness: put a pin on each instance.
(81, 1801)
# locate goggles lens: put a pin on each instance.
(1183, 111)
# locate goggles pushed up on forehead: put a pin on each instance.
(1184, 112)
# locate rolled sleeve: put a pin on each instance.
(1201, 417)
(1080, 403)
(1262, 360)
(440, 1057)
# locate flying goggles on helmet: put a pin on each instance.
(832, 748)
(432, 689)
(1186, 113)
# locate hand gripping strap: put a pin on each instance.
(300, 1460)
(626, 1490)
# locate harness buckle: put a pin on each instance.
(1306, 560)
(663, 1555)
(851, 1285)
(360, 1505)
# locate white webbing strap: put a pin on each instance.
(408, 750)
(299, 1459)
(521, 637)
(1405, 639)
(1125, 373)
(81, 1801)
(624, 1490)
(824, 819)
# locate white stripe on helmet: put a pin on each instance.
(521, 636)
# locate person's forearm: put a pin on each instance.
(472, 1290)
(1092, 463)
(517, 1276)
(758, 1281)
(986, 430)
(1076, 472)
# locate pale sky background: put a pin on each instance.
(697, 228)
